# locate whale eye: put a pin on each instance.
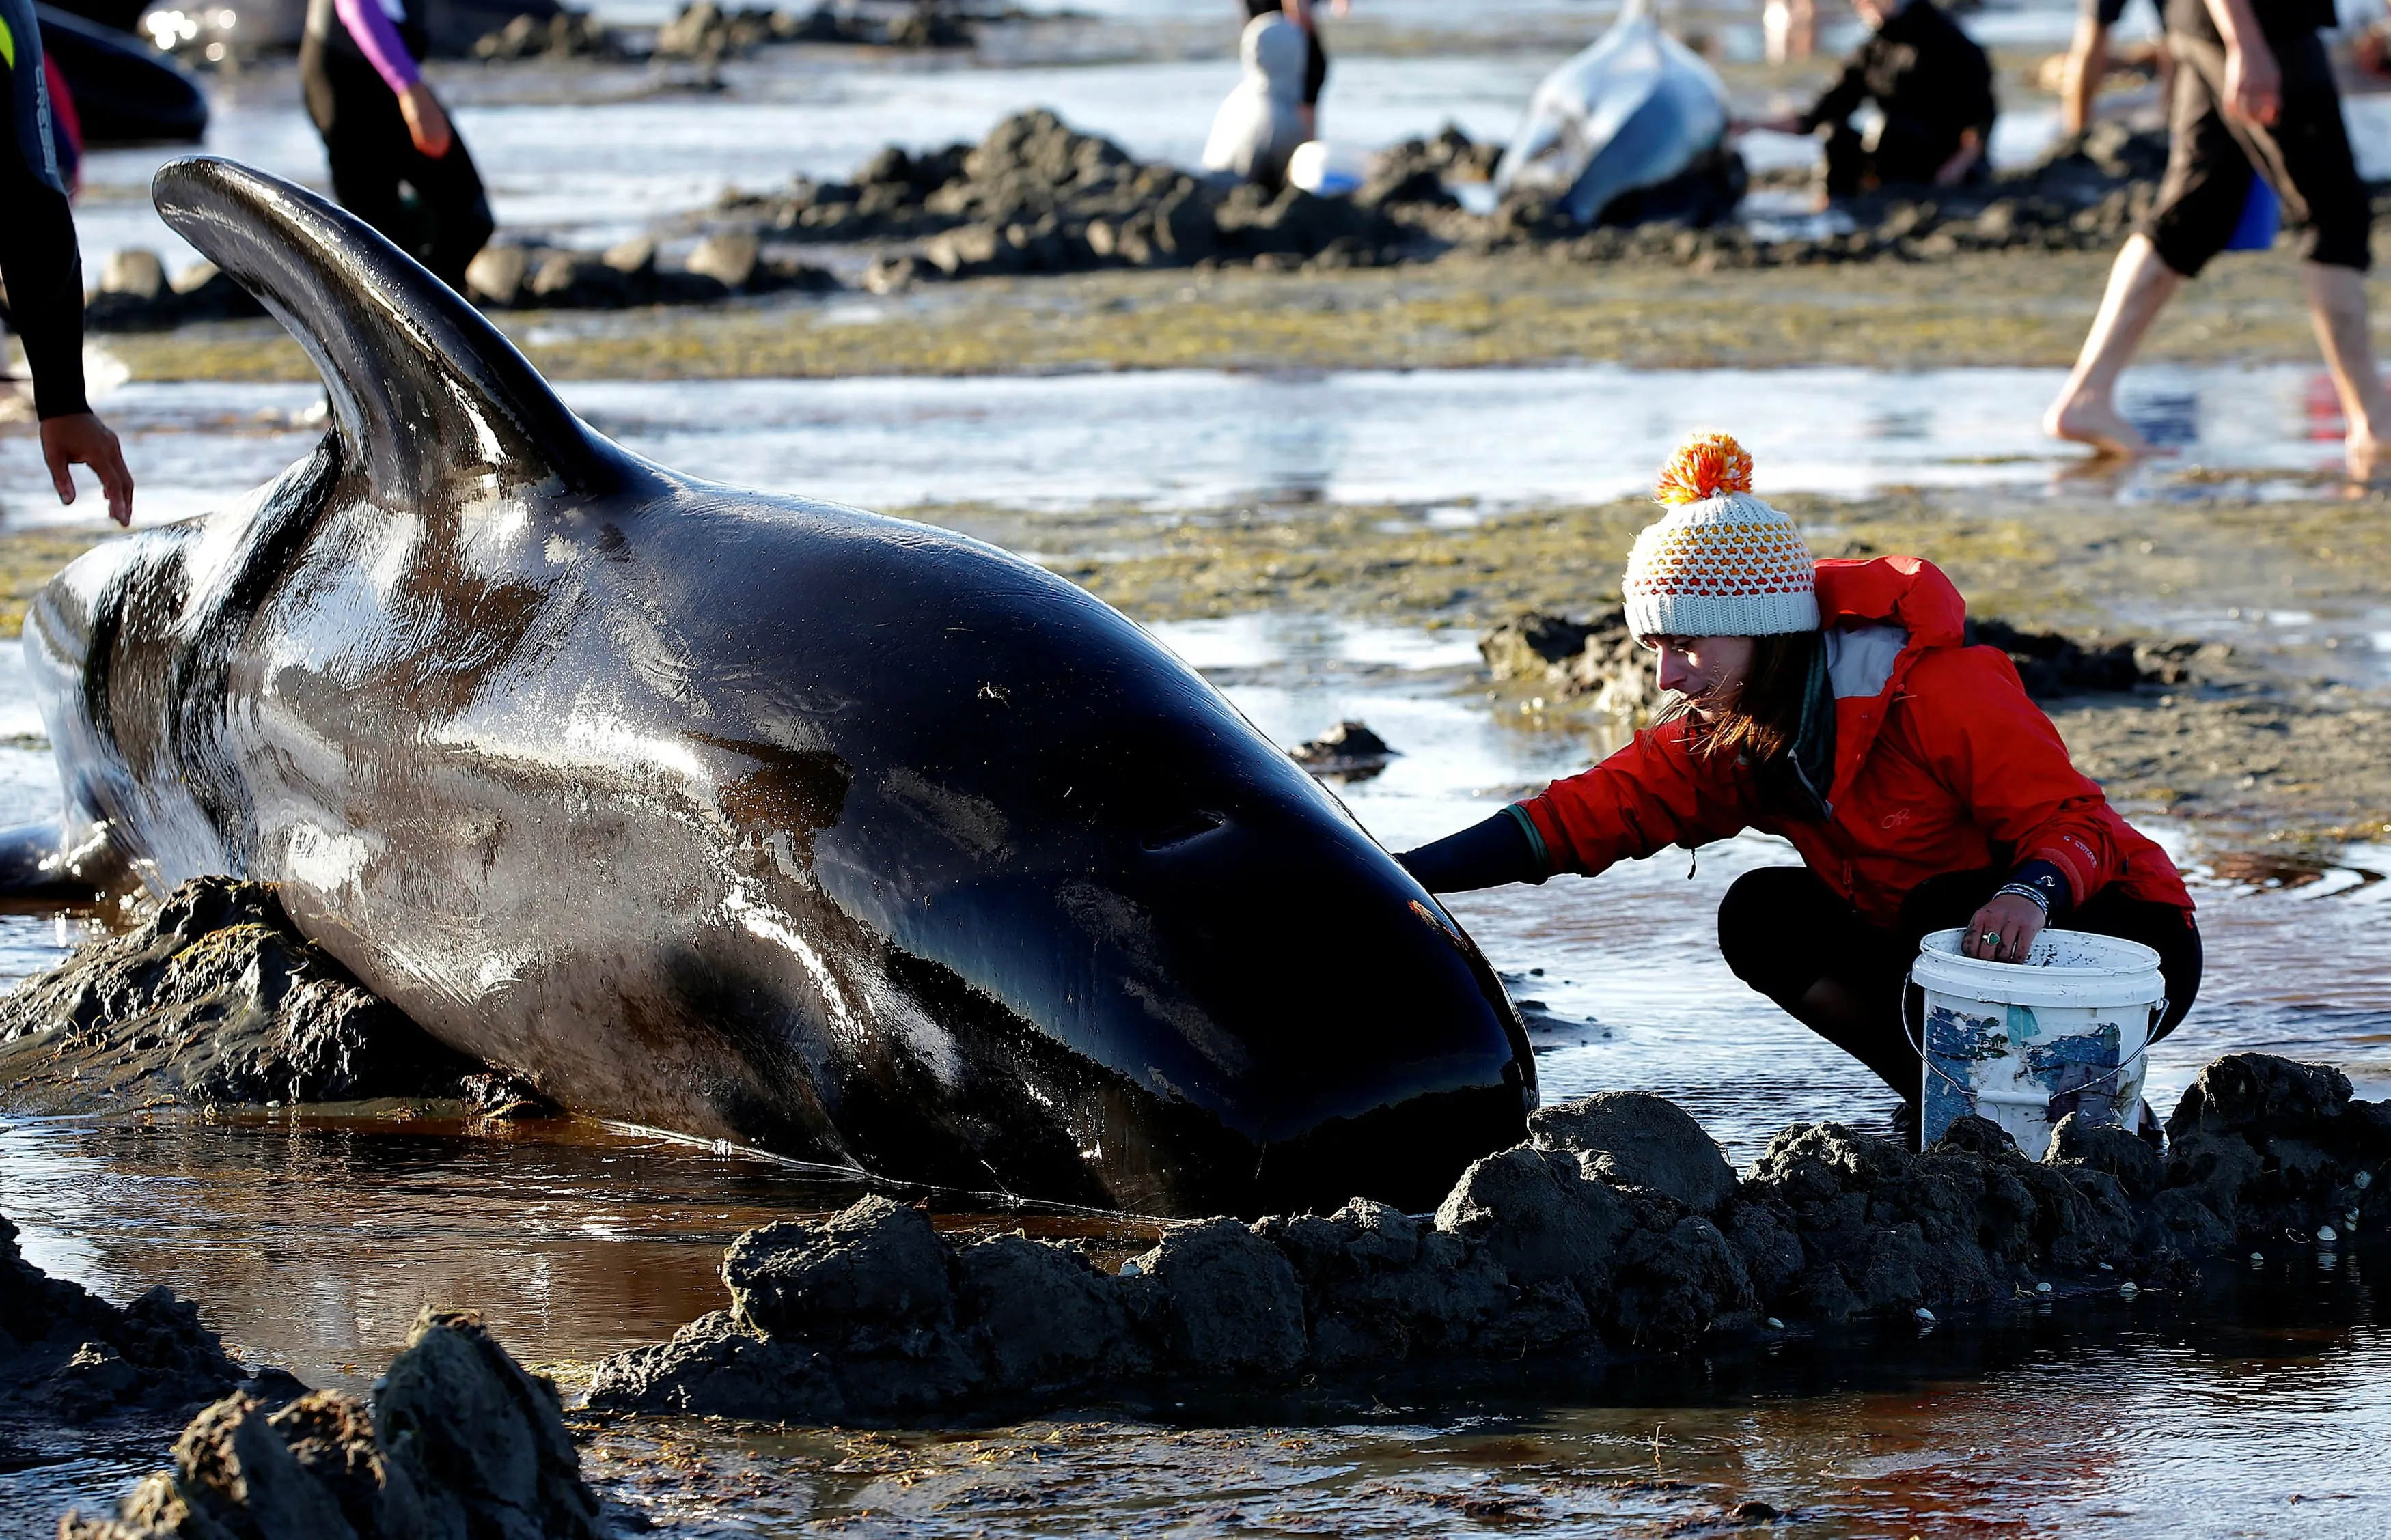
(1186, 827)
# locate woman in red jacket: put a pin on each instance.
(1837, 703)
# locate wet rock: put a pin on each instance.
(1633, 1138)
(1597, 661)
(459, 1441)
(135, 296)
(879, 1263)
(214, 999)
(1617, 1227)
(726, 256)
(134, 271)
(1349, 750)
(2138, 1167)
(565, 34)
(68, 1355)
(2052, 665)
(1042, 1316)
(1221, 1297)
(496, 273)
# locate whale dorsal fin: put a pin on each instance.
(428, 396)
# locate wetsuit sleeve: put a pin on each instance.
(38, 259)
(1649, 795)
(1997, 751)
(377, 37)
(1504, 849)
(1843, 98)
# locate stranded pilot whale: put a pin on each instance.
(750, 818)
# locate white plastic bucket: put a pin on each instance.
(2025, 1043)
(1328, 170)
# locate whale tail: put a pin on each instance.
(429, 398)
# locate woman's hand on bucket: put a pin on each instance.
(2003, 929)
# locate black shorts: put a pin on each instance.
(1782, 930)
(2305, 155)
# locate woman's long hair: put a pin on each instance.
(1761, 725)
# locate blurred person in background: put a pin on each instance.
(1260, 123)
(1790, 28)
(383, 127)
(1934, 85)
(1315, 62)
(44, 271)
(2087, 61)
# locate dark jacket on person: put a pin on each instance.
(38, 259)
(1931, 82)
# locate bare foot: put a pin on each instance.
(2085, 418)
(2362, 452)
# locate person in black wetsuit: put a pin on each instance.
(43, 272)
(383, 127)
(1934, 87)
(2254, 95)
(1315, 65)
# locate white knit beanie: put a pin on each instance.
(1722, 563)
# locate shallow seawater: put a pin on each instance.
(312, 1241)
(1173, 439)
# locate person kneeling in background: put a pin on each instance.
(1934, 87)
(1836, 705)
(383, 127)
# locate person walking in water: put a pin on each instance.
(383, 127)
(40, 263)
(2254, 95)
(1837, 704)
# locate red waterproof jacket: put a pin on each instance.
(1942, 765)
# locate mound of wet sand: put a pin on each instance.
(1618, 1226)
(1599, 661)
(68, 1357)
(460, 1439)
(215, 999)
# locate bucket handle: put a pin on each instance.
(1918, 1044)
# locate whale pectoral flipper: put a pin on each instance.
(43, 861)
(425, 392)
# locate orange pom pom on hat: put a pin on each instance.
(1721, 563)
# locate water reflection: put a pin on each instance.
(1197, 439)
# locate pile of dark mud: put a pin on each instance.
(459, 1441)
(1597, 660)
(534, 275)
(708, 33)
(1619, 1227)
(1036, 196)
(214, 1000)
(68, 1356)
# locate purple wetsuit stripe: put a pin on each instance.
(377, 37)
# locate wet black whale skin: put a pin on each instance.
(745, 816)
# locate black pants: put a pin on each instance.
(2305, 156)
(1782, 930)
(372, 153)
(1906, 152)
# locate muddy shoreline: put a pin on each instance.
(1986, 309)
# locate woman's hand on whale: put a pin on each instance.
(80, 438)
(2003, 930)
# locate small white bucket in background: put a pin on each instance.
(2025, 1043)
